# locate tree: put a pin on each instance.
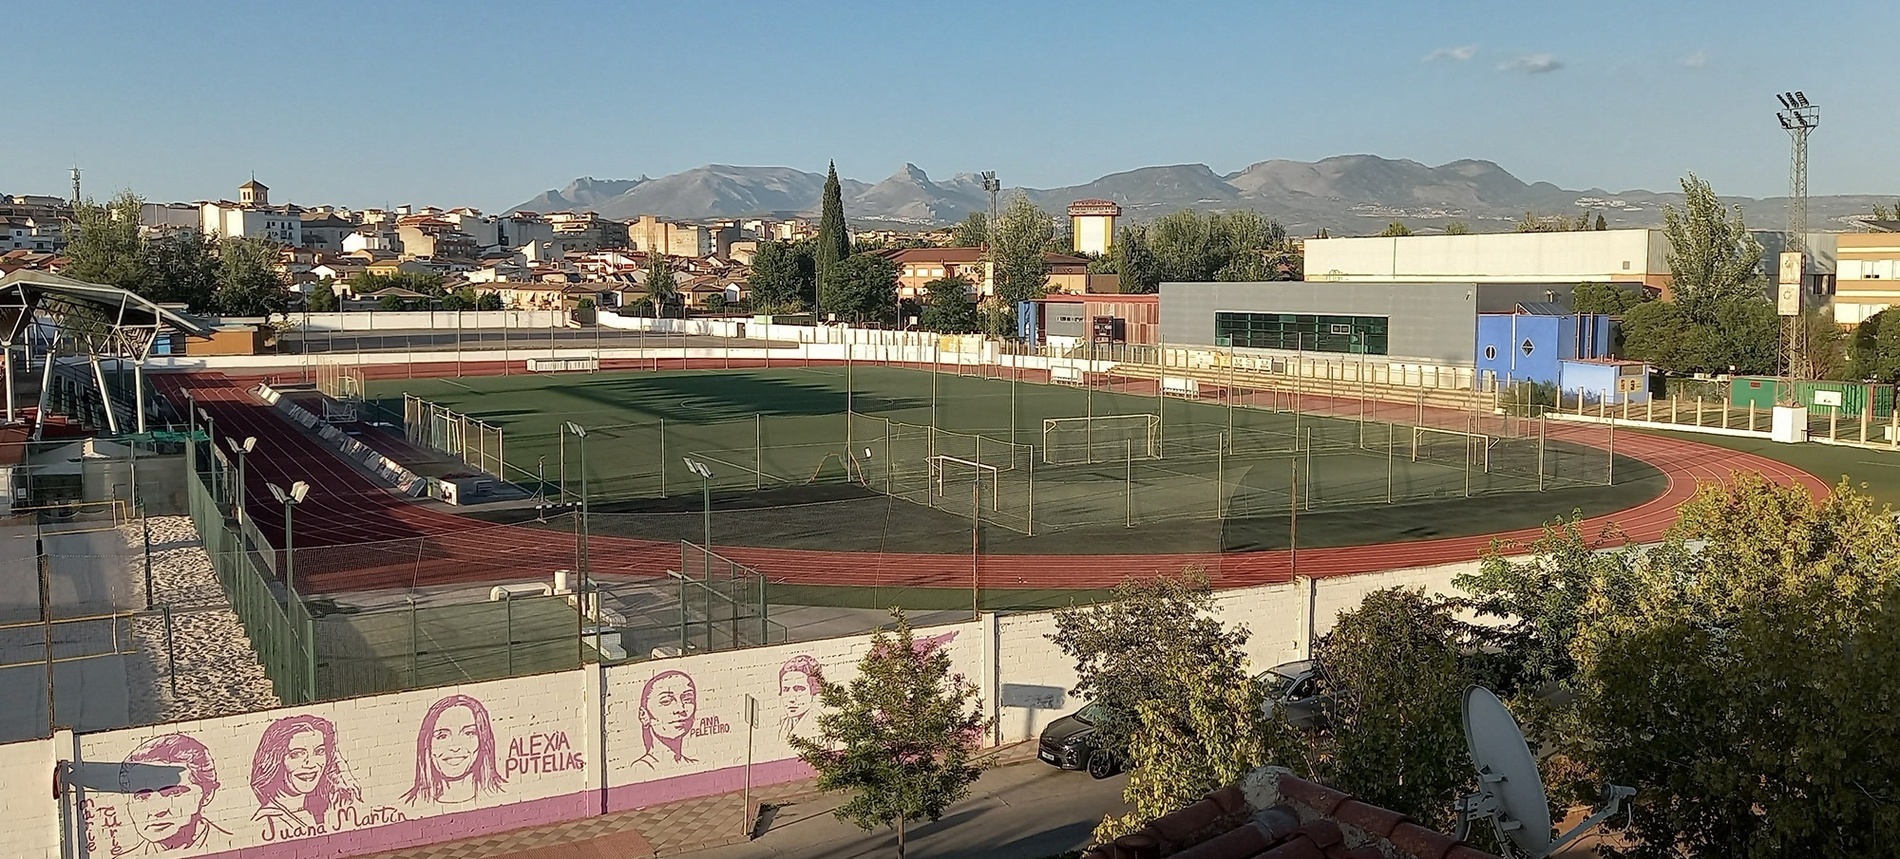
(1885, 362)
(181, 267)
(716, 303)
(1538, 593)
(1886, 213)
(834, 239)
(454, 302)
(1125, 649)
(1392, 666)
(392, 302)
(661, 286)
(1535, 223)
(1713, 259)
(1395, 228)
(1606, 298)
(1190, 247)
(971, 232)
(1658, 332)
(1602, 223)
(105, 245)
(249, 283)
(322, 297)
(1135, 261)
(776, 282)
(949, 308)
(1210, 737)
(488, 301)
(863, 287)
(1457, 228)
(1021, 234)
(995, 319)
(900, 737)
(1743, 684)
(1827, 345)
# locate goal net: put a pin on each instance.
(1100, 438)
(1433, 444)
(948, 473)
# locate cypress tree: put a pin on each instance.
(834, 243)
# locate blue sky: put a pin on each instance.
(488, 104)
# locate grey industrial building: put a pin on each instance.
(1431, 322)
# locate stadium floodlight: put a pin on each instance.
(1786, 100)
(240, 448)
(1800, 99)
(289, 499)
(705, 492)
(578, 430)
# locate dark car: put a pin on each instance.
(1069, 743)
(1291, 693)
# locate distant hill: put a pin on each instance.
(1345, 194)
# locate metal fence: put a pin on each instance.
(474, 442)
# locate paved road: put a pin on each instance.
(1023, 811)
(89, 575)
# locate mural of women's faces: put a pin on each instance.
(299, 779)
(668, 705)
(172, 817)
(455, 754)
(797, 692)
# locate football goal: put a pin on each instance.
(951, 471)
(1432, 443)
(1100, 438)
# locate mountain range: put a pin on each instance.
(1345, 194)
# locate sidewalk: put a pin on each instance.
(661, 830)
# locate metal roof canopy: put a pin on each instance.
(95, 319)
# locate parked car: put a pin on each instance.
(1291, 693)
(1069, 743)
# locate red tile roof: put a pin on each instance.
(1281, 816)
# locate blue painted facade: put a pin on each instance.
(1563, 350)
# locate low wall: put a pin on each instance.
(391, 771)
(416, 320)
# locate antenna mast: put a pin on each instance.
(75, 184)
(1798, 117)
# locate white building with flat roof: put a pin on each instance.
(1583, 256)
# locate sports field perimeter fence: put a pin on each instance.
(1121, 445)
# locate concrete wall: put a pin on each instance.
(1602, 257)
(437, 765)
(419, 320)
(1429, 321)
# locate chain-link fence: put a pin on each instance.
(474, 442)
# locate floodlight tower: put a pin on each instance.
(990, 186)
(1798, 117)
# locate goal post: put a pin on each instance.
(1478, 442)
(1100, 438)
(944, 469)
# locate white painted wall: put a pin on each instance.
(1573, 257)
(561, 746)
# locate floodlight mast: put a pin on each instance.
(705, 491)
(1798, 117)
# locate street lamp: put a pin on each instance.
(240, 448)
(580, 546)
(298, 491)
(211, 439)
(705, 488)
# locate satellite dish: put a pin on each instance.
(1510, 789)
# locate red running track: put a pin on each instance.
(351, 534)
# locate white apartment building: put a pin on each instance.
(252, 216)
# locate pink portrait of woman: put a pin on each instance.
(455, 754)
(172, 817)
(797, 691)
(298, 777)
(668, 706)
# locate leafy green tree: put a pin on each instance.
(1395, 228)
(1125, 649)
(1863, 357)
(900, 738)
(322, 296)
(1745, 337)
(834, 238)
(1827, 345)
(1885, 361)
(949, 309)
(105, 245)
(488, 301)
(422, 282)
(1457, 228)
(864, 286)
(181, 267)
(1887, 213)
(1606, 298)
(1188, 246)
(1743, 684)
(1537, 593)
(392, 302)
(1602, 223)
(1393, 668)
(1713, 259)
(995, 319)
(777, 283)
(455, 302)
(1021, 235)
(1658, 332)
(1211, 736)
(716, 303)
(249, 283)
(662, 287)
(1135, 261)
(972, 232)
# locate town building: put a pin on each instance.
(1092, 225)
(1586, 256)
(252, 217)
(586, 231)
(1866, 272)
(917, 267)
(434, 238)
(325, 230)
(1062, 320)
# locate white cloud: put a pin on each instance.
(1696, 60)
(1531, 64)
(1458, 54)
